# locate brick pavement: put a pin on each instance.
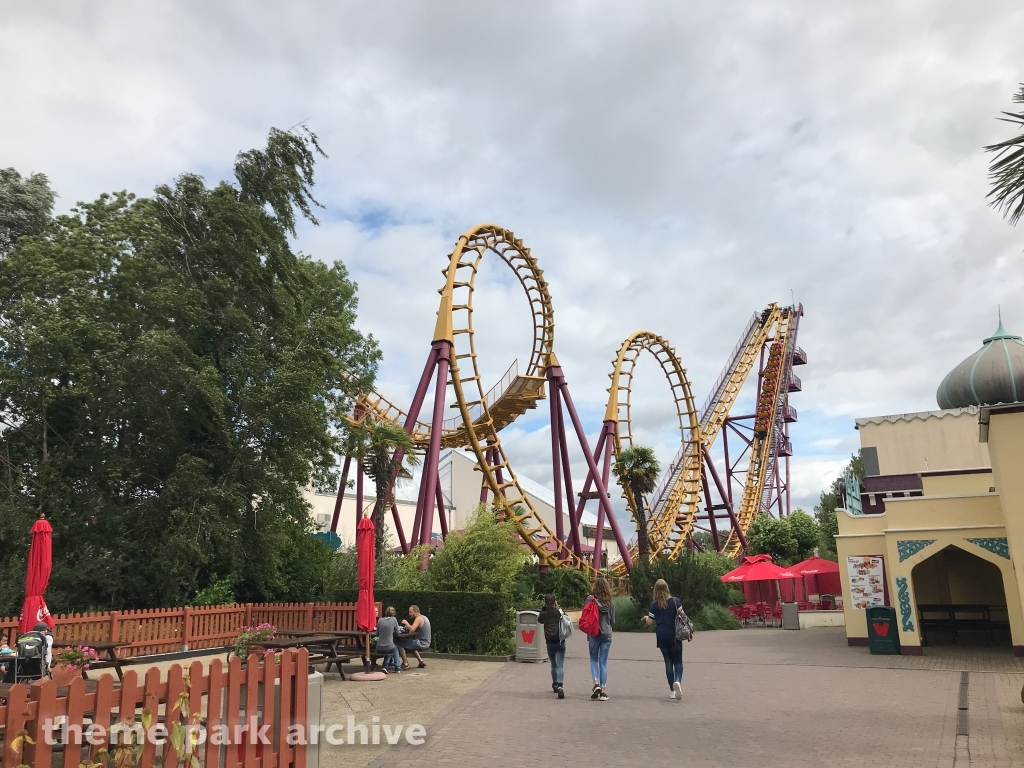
(754, 697)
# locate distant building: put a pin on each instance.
(937, 522)
(460, 486)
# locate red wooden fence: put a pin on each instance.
(235, 697)
(168, 630)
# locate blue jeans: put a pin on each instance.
(556, 655)
(673, 664)
(394, 659)
(599, 647)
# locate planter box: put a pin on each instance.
(809, 619)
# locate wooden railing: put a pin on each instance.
(41, 728)
(169, 630)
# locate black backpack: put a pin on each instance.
(31, 645)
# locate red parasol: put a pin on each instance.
(758, 568)
(813, 566)
(366, 613)
(40, 563)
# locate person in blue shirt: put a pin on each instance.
(663, 615)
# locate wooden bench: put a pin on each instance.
(956, 618)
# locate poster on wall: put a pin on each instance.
(867, 581)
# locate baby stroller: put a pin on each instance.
(29, 661)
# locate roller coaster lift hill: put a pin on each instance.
(692, 494)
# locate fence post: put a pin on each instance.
(115, 622)
(248, 614)
(309, 616)
(186, 630)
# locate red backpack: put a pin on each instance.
(590, 620)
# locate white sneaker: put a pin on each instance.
(677, 691)
(672, 695)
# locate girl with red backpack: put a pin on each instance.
(601, 607)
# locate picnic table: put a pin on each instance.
(105, 649)
(322, 647)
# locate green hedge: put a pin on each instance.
(460, 622)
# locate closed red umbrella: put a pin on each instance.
(366, 613)
(40, 563)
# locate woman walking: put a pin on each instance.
(663, 615)
(601, 643)
(550, 616)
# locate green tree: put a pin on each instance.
(375, 442)
(773, 536)
(174, 374)
(637, 470)
(829, 501)
(806, 533)
(25, 206)
(484, 557)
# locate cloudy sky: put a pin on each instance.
(673, 166)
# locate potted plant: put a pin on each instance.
(249, 635)
(69, 662)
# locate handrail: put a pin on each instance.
(493, 395)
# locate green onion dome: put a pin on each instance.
(992, 375)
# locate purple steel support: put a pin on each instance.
(602, 442)
(443, 348)
(789, 510)
(556, 466)
(570, 498)
(718, 484)
(359, 491)
(711, 511)
(399, 529)
(341, 495)
(778, 486)
(441, 511)
(728, 474)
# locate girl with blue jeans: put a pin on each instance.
(663, 615)
(601, 643)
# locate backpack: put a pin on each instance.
(564, 626)
(683, 626)
(590, 620)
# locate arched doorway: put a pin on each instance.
(960, 600)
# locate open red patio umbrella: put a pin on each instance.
(758, 568)
(40, 563)
(814, 566)
(366, 613)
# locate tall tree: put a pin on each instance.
(375, 442)
(637, 469)
(830, 501)
(1006, 171)
(25, 206)
(173, 375)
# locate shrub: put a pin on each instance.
(629, 616)
(484, 557)
(219, 592)
(736, 596)
(460, 622)
(570, 587)
(714, 616)
(694, 579)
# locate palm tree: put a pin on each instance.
(1007, 169)
(374, 443)
(637, 469)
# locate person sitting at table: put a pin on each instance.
(387, 629)
(5, 650)
(417, 639)
(43, 627)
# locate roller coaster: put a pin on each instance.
(681, 505)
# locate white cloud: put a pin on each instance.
(674, 167)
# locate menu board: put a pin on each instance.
(867, 581)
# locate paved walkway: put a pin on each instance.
(754, 697)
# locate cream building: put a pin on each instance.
(461, 488)
(937, 528)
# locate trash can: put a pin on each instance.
(883, 634)
(529, 637)
(790, 616)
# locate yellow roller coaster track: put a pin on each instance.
(764, 438)
(483, 414)
(685, 491)
(676, 502)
